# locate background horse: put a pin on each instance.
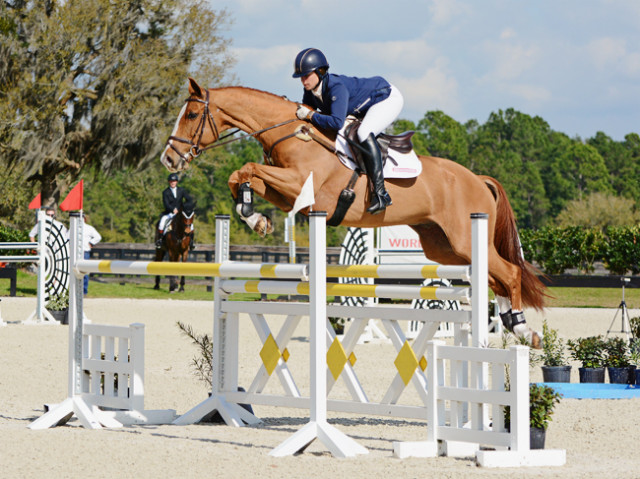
(437, 204)
(176, 243)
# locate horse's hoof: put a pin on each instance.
(156, 287)
(263, 226)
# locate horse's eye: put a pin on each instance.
(192, 115)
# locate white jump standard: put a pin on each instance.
(456, 406)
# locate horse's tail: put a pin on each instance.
(507, 243)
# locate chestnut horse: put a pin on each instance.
(176, 243)
(437, 204)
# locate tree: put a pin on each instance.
(97, 84)
(511, 147)
(445, 137)
(621, 164)
(599, 210)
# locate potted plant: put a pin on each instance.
(554, 363)
(634, 324)
(634, 359)
(590, 352)
(58, 306)
(542, 401)
(618, 360)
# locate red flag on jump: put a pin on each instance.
(73, 201)
(35, 203)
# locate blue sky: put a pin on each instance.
(575, 63)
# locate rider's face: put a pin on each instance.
(173, 183)
(310, 81)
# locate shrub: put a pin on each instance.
(590, 351)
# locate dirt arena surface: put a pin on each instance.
(600, 436)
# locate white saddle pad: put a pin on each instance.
(408, 164)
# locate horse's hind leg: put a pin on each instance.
(504, 277)
(181, 290)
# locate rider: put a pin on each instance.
(172, 199)
(373, 100)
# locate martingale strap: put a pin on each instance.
(345, 200)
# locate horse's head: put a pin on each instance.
(195, 128)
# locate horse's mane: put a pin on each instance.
(255, 90)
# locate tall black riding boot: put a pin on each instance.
(380, 199)
(192, 243)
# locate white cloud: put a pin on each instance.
(267, 61)
(510, 60)
(403, 56)
(434, 90)
(606, 51)
(443, 11)
(612, 54)
(507, 34)
(530, 93)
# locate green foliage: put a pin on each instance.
(553, 353)
(589, 351)
(59, 302)
(557, 249)
(11, 235)
(598, 210)
(617, 353)
(621, 253)
(97, 84)
(634, 324)
(542, 401)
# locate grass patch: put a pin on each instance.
(562, 297)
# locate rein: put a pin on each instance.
(207, 118)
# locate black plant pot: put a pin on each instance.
(638, 377)
(591, 375)
(536, 437)
(556, 374)
(61, 316)
(618, 375)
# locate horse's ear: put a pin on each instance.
(194, 88)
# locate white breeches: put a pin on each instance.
(164, 221)
(381, 115)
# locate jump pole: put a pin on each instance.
(338, 443)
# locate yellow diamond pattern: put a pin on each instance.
(336, 358)
(286, 354)
(270, 354)
(423, 363)
(406, 363)
(352, 359)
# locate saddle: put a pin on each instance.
(400, 143)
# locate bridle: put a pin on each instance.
(207, 119)
(194, 148)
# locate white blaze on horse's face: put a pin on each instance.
(178, 164)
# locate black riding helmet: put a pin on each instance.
(307, 61)
(173, 177)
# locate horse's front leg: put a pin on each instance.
(184, 260)
(279, 186)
